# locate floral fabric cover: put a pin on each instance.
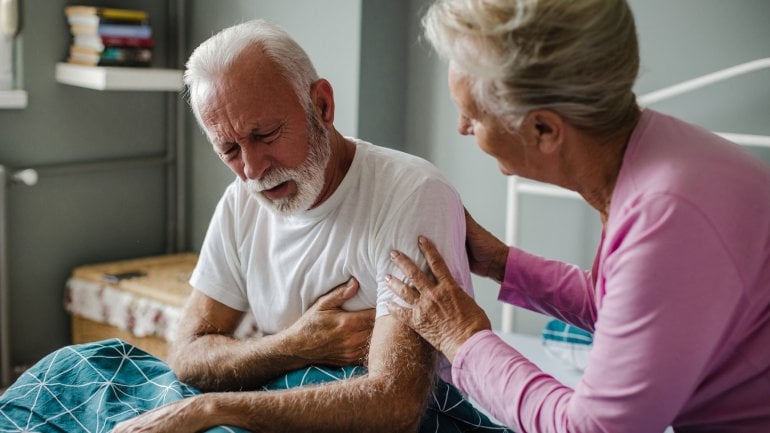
(142, 317)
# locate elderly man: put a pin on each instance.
(310, 209)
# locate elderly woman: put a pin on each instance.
(679, 295)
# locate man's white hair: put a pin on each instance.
(218, 53)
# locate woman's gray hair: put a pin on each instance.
(217, 54)
(578, 58)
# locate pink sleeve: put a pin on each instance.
(506, 384)
(550, 287)
(671, 288)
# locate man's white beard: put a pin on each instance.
(309, 177)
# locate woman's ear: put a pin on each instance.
(322, 95)
(547, 128)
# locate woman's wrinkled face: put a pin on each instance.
(492, 136)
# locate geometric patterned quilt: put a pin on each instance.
(92, 387)
(567, 343)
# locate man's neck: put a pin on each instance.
(342, 153)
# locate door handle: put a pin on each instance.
(9, 18)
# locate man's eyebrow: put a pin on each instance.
(266, 129)
(268, 125)
(220, 141)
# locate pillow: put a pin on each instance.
(567, 343)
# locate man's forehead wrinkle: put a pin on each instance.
(247, 97)
(221, 115)
(218, 122)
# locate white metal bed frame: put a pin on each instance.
(516, 185)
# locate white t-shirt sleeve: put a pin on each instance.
(433, 210)
(218, 272)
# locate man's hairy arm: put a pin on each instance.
(390, 398)
(205, 353)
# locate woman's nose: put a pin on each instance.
(464, 126)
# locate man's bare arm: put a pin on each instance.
(391, 398)
(206, 355)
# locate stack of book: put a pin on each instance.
(109, 36)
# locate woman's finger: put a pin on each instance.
(412, 273)
(435, 261)
(404, 315)
(407, 292)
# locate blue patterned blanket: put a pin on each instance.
(92, 387)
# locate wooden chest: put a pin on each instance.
(138, 301)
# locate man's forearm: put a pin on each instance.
(391, 398)
(216, 362)
(362, 404)
(206, 355)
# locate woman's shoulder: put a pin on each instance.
(668, 156)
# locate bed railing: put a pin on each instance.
(703, 81)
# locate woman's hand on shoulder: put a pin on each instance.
(487, 254)
(436, 307)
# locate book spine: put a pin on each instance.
(93, 20)
(99, 43)
(111, 56)
(127, 55)
(125, 31)
(124, 14)
(114, 41)
(109, 13)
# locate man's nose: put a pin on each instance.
(256, 162)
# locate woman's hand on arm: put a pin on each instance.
(487, 255)
(439, 310)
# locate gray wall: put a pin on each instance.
(679, 40)
(382, 93)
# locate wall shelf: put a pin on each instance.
(13, 99)
(119, 78)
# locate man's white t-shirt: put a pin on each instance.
(278, 266)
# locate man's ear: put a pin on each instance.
(547, 128)
(322, 95)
